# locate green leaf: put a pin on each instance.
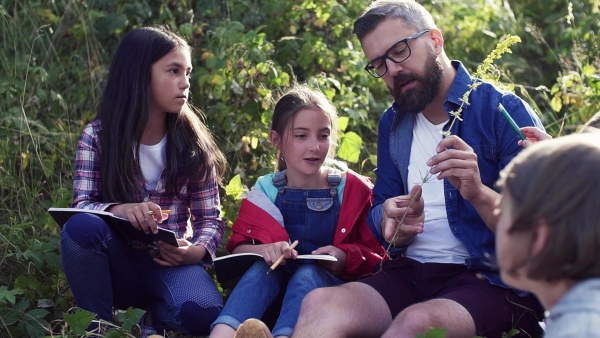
(433, 333)
(113, 22)
(34, 323)
(262, 67)
(48, 167)
(217, 80)
(9, 295)
(9, 317)
(27, 282)
(263, 91)
(38, 313)
(556, 103)
(52, 260)
(36, 329)
(79, 321)
(329, 92)
(115, 333)
(373, 159)
(22, 305)
(350, 147)
(343, 122)
(132, 317)
(33, 256)
(235, 188)
(588, 70)
(186, 29)
(510, 333)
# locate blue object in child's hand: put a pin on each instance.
(511, 121)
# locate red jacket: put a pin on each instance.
(352, 234)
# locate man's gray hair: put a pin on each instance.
(411, 12)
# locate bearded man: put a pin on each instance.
(434, 195)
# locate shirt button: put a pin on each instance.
(319, 206)
(248, 231)
(343, 230)
(146, 199)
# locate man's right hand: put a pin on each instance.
(403, 217)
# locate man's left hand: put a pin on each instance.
(457, 161)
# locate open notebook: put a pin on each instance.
(119, 225)
(230, 268)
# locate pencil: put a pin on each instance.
(168, 212)
(280, 259)
(511, 121)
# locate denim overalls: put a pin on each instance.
(310, 216)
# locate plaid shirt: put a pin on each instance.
(196, 217)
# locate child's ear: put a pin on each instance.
(540, 236)
(274, 138)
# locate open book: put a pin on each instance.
(119, 225)
(230, 268)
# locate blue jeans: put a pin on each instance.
(103, 271)
(257, 290)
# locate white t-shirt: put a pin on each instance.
(152, 161)
(437, 243)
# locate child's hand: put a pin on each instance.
(533, 135)
(334, 267)
(272, 251)
(143, 216)
(185, 254)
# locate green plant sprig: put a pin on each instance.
(424, 180)
(485, 68)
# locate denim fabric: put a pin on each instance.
(103, 271)
(577, 313)
(257, 290)
(484, 129)
(310, 216)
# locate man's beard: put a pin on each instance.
(415, 99)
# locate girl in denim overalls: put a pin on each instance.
(323, 208)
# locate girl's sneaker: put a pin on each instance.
(147, 331)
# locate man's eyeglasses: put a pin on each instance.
(399, 52)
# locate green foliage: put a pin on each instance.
(510, 333)
(53, 62)
(79, 321)
(19, 320)
(433, 333)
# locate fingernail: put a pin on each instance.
(429, 162)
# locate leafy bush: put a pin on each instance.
(53, 63)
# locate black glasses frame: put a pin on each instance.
(371, 69)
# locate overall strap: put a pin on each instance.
(334, 177)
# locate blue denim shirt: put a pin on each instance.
(484, 129)
(577, 313)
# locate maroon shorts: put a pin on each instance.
(404, 282)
